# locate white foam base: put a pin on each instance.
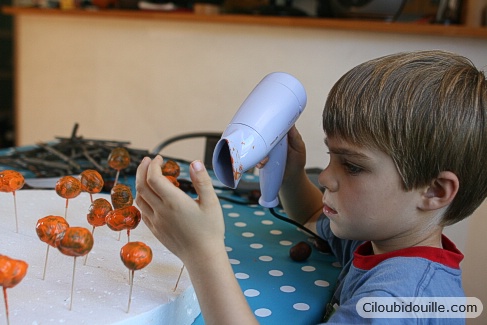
(101, 287)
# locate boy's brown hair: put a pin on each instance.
(427, 110)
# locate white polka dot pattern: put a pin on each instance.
(278, 289)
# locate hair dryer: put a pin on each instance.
(259, 130)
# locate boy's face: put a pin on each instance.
(364, 199)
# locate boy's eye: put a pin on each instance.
(352, 169)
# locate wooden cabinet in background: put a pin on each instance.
(6, 78)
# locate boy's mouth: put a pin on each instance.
(327, 210)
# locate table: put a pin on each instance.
(278, 289)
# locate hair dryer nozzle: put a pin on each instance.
(222, 164)
(239, 149)
(259, 130)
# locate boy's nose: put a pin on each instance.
(327, 180)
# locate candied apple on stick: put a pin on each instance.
(68, 187)
(75, 241)
(97, 215)
(91, 182)
(49, 229)
(11, 273)
(171, 168)
(121, 196)
(118, 159)
(132, 218)
(11, 181)
(135, 256)
(125, 218)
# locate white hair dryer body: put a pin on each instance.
(259, 130)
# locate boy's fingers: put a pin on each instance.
(294, 136)
(161, 187)
(202, 182)
(141, 174)
(262, 163)
(141, 178)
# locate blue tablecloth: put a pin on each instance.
(278, 289)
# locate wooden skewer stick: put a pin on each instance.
(72, 284)
(128, 241)
(66, 210)
(15, 209)
(179, 277)
(6, 304)
(45, 263)
(131, 273)
(116, 177)
(131, 276)
(86, 257)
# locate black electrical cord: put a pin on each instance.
(278, 216)
(294, 222)
(320, 243)
(232, 200)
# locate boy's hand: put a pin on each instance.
(190, 228)
(296, 154)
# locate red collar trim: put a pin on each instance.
(449, 255)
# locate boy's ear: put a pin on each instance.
(440, 192)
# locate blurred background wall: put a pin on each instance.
(145, 80)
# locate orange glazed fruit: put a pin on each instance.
(171, 168)
(119, 158)
(75, 241)
(121, 196)
(124, 218)
(98, 212)
(136, 255)
(11, 271)
(68, 187)
(91, 181)
(11, 180)
(50, 228)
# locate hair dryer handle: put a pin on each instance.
(272, 173)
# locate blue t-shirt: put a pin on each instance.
(410, 272)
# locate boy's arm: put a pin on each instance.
(194, 231)
(301, 199)
(219, 294)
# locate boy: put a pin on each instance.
(407, 140)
